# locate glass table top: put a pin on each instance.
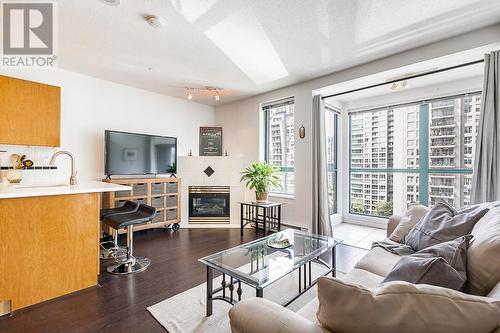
(259, 265)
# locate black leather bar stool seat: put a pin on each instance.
(130, 264)
(128, 207)
(110, 249)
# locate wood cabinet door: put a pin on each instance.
(30, 113)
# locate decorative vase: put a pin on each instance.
(261, 197)
(14, 176)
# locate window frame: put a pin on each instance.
(424, 170)
(264, 107)
(335, 168)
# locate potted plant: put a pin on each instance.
(261, 176)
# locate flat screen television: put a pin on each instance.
(139, 154)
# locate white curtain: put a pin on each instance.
(321, 217)
(485, 182)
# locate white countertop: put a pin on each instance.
(45, 189)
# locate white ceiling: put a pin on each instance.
(248, 47)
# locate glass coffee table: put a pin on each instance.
(259, 265)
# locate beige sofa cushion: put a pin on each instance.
(378, 261)
(408, 221)
(483, 256)
(364, 278)
(258, 315)
(403, 307)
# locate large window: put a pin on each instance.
(279, 141)
(420, 152)
(331, 117)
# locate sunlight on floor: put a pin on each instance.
(357, 235)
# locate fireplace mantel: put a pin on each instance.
(227, 173)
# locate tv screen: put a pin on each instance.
(139, 154)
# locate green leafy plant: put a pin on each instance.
(384, 208)
(261, 176)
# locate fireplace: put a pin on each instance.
(209, 204)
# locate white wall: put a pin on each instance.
(90, 105)
(241, 119)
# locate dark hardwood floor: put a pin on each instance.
(119, 305)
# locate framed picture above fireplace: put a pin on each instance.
(210, 141)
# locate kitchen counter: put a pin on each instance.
(8, 191)
(50, 240)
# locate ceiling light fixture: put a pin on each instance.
(205, 91)
(111, 2)
(155, 21)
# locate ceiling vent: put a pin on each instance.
(111, 2)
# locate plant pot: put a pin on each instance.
(261, 197)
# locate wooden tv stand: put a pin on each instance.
(162, 193)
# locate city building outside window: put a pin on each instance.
(428, 150)
(279, 149)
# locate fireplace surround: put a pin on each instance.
(209, 204)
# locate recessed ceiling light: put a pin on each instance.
(111, 2)
(155, 21)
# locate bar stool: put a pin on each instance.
(110, 249)
(130, 264)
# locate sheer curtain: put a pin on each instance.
(485, 182)
(321, 217)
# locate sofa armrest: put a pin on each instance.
(495, 292)
(257, 315)
(393, 223)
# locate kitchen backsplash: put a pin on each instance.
(40, 157)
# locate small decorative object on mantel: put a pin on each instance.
(190, 152)
(261, 176)
(210, 141)
(225, 153)
(278, 241)
(302, 132)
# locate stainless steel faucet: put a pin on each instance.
(72, 179)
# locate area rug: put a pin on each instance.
(185, 312)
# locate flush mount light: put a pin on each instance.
(111, 2)
(155, 21)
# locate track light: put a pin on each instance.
(205, 91)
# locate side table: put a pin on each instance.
(264, 215)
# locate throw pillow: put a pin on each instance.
(483, 256)
(403, 307)
(443, 223)
(414, 214)
(442, 265)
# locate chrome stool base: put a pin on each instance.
(112, 252)
(132, 265)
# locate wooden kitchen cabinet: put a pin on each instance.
(30, 113)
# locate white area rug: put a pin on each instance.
(185, 312)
